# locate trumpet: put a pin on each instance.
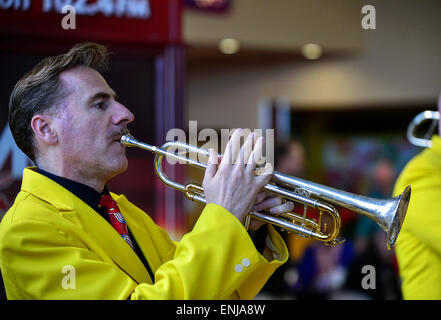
(416, 122)
(387, 213)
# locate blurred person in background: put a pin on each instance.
(313, 270)
(322, 270)
(289, 159)
(418, 247)
(369, 248)
(67, 237)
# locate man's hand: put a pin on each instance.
(233, 185)
(272, 205)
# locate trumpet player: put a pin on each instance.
(418, 248)
(68, 237)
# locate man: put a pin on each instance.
(67, 237)
(418, 247)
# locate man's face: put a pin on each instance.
(90, 123)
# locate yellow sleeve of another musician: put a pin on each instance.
(216, 260)
(418, 247)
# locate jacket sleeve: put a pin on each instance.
(424, 211)
(418, 245)
(216, 260)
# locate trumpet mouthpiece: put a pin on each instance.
(127, 140)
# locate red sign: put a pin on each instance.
(127, 21)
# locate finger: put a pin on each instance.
(233, 143)
(257, 151)
(256, 224)
(268, 203)
(251, 163)
(212, 164)
(235, 148)
(251, 157)
(262, 196)
(247, 148)
(258, 146)
(264, 178)
(283, 208)
(245, 151)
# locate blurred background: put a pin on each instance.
(338, 96)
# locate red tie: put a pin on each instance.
(115, 217)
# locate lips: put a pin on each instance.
(116, 137)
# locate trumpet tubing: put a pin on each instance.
(424, 116)
(387, 213)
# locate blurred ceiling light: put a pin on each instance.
(229, 46)
(311, 51)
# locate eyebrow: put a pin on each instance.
(102, 95)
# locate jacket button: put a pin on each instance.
(246, 262)
(238, 268)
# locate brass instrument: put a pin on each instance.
(416, 122)
(387, 213)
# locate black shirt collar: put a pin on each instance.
(89, 195)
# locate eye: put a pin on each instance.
(100, 105)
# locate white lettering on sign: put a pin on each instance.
(139, 9)
(15, 4)
(119, 8)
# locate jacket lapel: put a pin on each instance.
(140, 231)
(112, 242)
(106, 236)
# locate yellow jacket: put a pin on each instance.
(418, 247)
(54, 246)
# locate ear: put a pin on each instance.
(43, 129)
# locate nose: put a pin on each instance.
(122, 115)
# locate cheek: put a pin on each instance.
(66, 134)
(67, 126)
(81, 135)
(80, 140)
(82, 129)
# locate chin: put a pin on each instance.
(118, 167)
(122, 166)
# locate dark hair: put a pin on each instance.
(40, 89)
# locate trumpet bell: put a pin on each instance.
(397, 217)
